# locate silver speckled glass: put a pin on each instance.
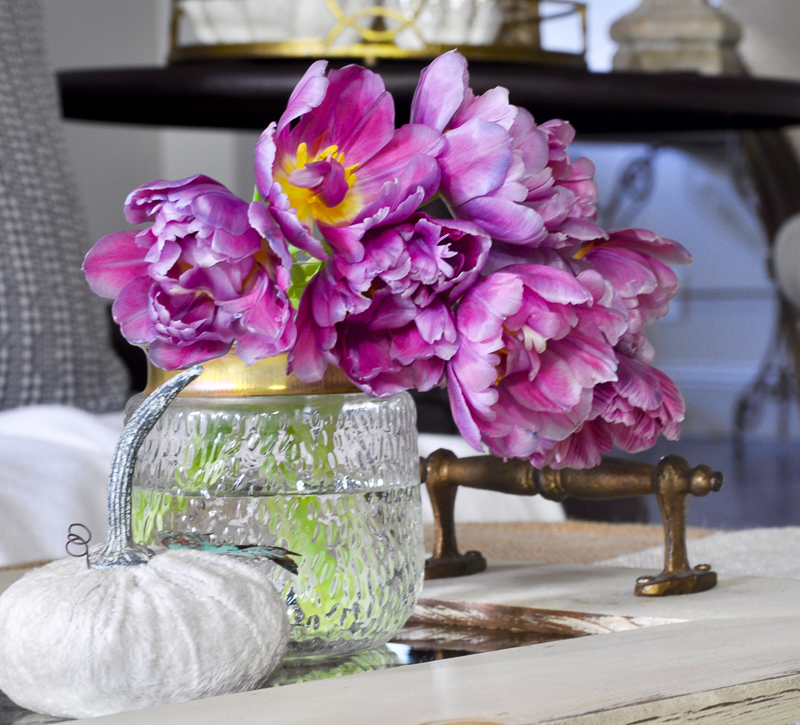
(332, 477)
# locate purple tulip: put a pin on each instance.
(501, 170)
(565, 194)
(534, 342)
(386, 320)
(184, 329)
(640, 405)
(343, 168)
(421, 258)
(263, 321)
(386, 341)
(531, 313)
(394, 345)
(632, 260)
(630, 412)
(198, 280)
(326, 301)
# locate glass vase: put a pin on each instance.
(252, 456)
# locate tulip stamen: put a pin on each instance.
(583, 251)
(326, 197)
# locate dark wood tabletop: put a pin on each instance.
(248, 94)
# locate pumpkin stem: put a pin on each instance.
(119, 549)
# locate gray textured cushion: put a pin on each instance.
(54, 339)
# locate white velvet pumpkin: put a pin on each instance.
(137, 627)
(80, 642)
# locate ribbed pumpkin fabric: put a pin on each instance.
(79, 642)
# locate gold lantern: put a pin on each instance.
(492, 30)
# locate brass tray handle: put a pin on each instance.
(671, 481)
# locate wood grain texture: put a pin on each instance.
(466, 639)
(529, 685)
(608, 591)
(775, 701)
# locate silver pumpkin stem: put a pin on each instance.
(119, 549)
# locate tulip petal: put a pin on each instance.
(267, 328)
(506, 221)
(221, 210)
(113, 262)
(475, 160)
(392, 161)
(583, 449)
(174, 357)
(295, 232)
(440, 91)
(142, 203)
(357, 115)
(492, 106)
(307, 94)
(553, 285)
(305, 358)
(392, 313)
(131, 311)
(643, 240)
(264, 160)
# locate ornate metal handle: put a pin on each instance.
(671, 481)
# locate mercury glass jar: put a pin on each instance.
(252, 456)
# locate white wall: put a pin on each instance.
(711, 348)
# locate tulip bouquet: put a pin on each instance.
(531, 314)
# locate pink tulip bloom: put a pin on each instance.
(395, 345)
(630, 412)
(566, 194)
(633, 261)
(386, 320)
(641, 405)
(421, 258)
(342, 168)
(198, 280)
(534, 342)
(499, 169)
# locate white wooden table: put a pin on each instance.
(730, 655)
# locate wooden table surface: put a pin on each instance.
(730, 655)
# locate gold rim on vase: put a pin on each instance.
(229, 377)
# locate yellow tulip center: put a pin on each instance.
(310, 202)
